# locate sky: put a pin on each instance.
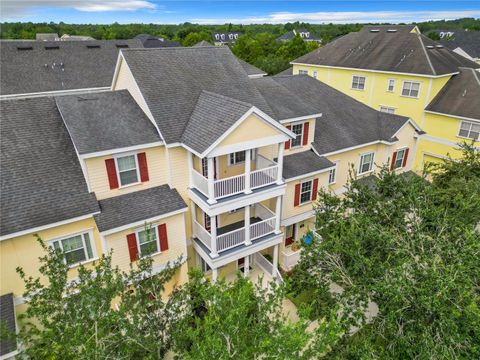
(234, 11)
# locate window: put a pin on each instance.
(306, 192)
(358, 82)
(76, 248)
(366, 163)
(302, 72)
(387, 109)
(237, 157)
(411, 89)
(315, 74)
(147, 241)
(297, 129)
(332, 175)
(391, 85)
(469, 130)
(203, 265)
(127, 170)
(400, 158)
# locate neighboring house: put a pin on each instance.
(393, 69)
(47, 37)
(149, 41)
(225, 38)
(224, 168)
(463, 42)
(66, 37)
(303, 33)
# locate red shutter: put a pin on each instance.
(162, 231)
(142, 164)
(287, 143)
(305, 133)
(132, 247)
(394, 158)
(112, 173)
(296, 202)
(315, 189)
(405, 157)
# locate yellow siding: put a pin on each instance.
(24, 251)
(98, 178)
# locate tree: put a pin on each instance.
(195, 37)
(411, 247)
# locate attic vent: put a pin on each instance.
(439, 46)
(24, 48)
(93, 46)
(374, 30)
(121, 46)
(430, 47)
(52, 47)
(391, 30)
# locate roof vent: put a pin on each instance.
(52, 47)
(374, 30)
(439, 46)
(391, 30)
(121, 46)
(93, 46)
(24, 48)
(430, 47)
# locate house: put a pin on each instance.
(222, 167)
(67, 37)
(398, 70)
(149, 41)
(225, 38)
(46, 37)
(463, 42)
(306, 35)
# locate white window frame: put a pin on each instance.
(302, 125)
(364, 82)
(471, 124)
(334, 171)
(302, 72)
(403, 150)
(201, 262)
(315, 74)
(384, 107)
(359, 172)
(82, 233)
(235, 162)
(410, 90)
(311, 189)
(153, 227)
(117, 169)
(393, 86)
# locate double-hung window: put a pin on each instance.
(237, 157)
(302, 72)
(147, 241)
(306, 192)
(391, 85)
(366, 163)
(332, 175)
(76, 248)
(127, 169)
(469, 130)
(297, 129)
(399, 159)
(411, 89)
(387, 109)
(358, 82)
(315, 74)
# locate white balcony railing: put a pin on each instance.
(290, 258)
(200, 182)
(264, 177)
(231, 239)
(262, 228)
(202, 234)
(229, 186)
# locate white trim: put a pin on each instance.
(55, 93)
(46, 227)
(300, 118)
(427, 100)
(364, 82)
(157, 235)
(437, 140)
(388, 85)
(386, 107)
(298, 218)
(248, 145)
(358, 147)
(335, 168)
(141, 222)
(454, 116)
(409, 121)
(469, 131)
(82, 233)
(371, 163)
(11, 355)
(375, 71)
(117, 169)
(412, 82)
(309, 174)
(257, 76)
(120, 150)
(300, 202)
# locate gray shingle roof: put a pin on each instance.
(150, 41)
(138, 206)
(250, 69)
(58, 65)
(7, 317)
(468, 41)
(399, 50)
(212, 116)
(345, 122)
(203, 43)
(284, 103)
(172, 79)
(303, 163)
(460, 96)
(41, 178)
(288, 71)
(105, 121)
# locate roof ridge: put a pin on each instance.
(177, 48)
(225, 97)
(475, 75)
(419, 37)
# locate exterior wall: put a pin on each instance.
(98, 178)
(311, 136)
(24, 251)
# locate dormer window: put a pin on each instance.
(297, 129)
(127, 170)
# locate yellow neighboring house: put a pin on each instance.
(223, 168)
(398, 70)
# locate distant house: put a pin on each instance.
(46, 37)
(304, 34)
(67, 37)
(224, 38)
(463, 42)
(150, 41)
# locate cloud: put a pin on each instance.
(345, 17)
(14, 9)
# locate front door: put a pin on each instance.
(290, 234)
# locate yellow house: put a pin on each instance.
(394, 69)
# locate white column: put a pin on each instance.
(248, 162)
(278, 214)
(247, 225)
(194, 217)
(280, 163)
(211, 178)
(190, 169)
(214, 275)
(275, 260)
(213, 234)
(246, 267)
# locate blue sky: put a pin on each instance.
(235, 11)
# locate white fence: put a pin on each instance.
(229, 186)
(263, 177)
(231, 239)
(262, 228)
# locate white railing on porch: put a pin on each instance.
(262, 212)
(264, 177)
(231, 239)
(263, 162)
(262, 228)
(229, 186)
(290, 258)
(202, 234)
(267, 266)
(200, 182)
